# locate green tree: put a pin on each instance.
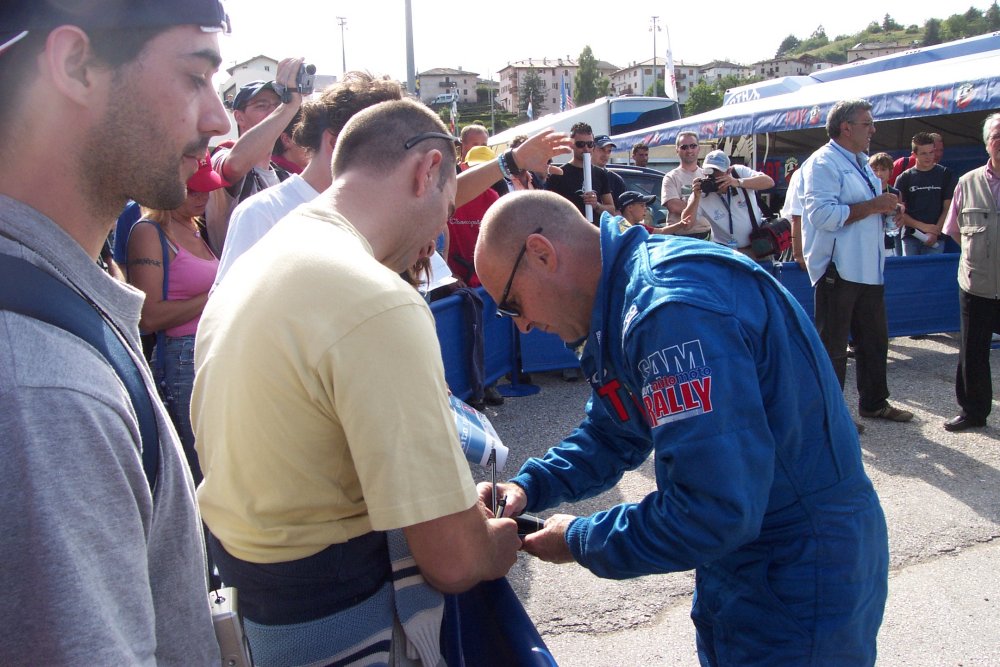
(932, 32)
(587, 79)
(702, 97)
(603, 87)
(788, 44)
(889, 23)
(533, 90)
(956, 26)
(660, 90)
(992, 18)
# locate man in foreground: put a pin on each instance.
(322, 414)
(760, 484)
(113, 101)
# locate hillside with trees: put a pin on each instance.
(707, 96)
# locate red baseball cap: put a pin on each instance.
(205, 179)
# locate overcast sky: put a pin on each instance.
(450, 33)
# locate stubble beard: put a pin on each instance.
(123, 158)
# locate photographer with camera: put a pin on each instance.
(262, 110)
(722, 196)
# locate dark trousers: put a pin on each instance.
(980, 318)
(845, 308)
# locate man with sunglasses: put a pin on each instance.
(569, 184)
(677, 188)
(843, 231)
(103, 552)
(321, 409)
(760, 483)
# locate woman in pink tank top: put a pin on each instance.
(170, 261)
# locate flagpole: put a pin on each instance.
(668, 72)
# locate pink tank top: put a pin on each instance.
(189, 276)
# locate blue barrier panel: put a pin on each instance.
(796, 281)
(921, 293)
(499, 337)
(542, 351)
(454, 338)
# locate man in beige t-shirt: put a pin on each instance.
(677, 186)
(320, 404)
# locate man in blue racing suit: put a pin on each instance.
(697, 355)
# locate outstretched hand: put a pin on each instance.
(535, 153)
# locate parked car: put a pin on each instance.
(647, 181)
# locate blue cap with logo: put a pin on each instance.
(19, 17)
(603, 140)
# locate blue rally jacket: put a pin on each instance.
(697, 354)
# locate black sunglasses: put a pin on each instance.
(686, 147)
(423, 136)
(504, 308)
(584, 144)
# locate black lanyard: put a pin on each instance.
(864, 176)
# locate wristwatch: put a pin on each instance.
(739, 182)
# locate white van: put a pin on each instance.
(445, 98)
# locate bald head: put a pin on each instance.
(538, 257)
(512, 218)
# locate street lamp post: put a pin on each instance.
(343, 49)
(654, 28)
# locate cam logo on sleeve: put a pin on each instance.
(677, 384)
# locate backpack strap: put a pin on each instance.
(28, 290)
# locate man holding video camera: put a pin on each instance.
(723, 197)
(262, 110)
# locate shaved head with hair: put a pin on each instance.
(374, 139)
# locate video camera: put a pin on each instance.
(304, 83)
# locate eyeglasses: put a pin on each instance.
(584, 144)
(867, 123)
(423, 136)
(504, 308)
(687, 147)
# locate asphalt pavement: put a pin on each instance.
(940, 492)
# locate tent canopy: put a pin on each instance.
(956, 85)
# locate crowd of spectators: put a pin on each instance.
(299, 406)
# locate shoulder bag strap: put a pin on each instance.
(30, 291)
(753, 218)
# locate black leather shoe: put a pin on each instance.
(962, 422)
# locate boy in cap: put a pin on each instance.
(104, 561)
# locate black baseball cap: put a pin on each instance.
(248, 91)
(603, 140)
(19, 17)
(633, 197)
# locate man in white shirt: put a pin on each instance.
(677, 187)
(317, 131)
(729, 205)
(842, 229)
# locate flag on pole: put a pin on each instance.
(565, 97)
(530, 111)
(669, 80)
(454, 116)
